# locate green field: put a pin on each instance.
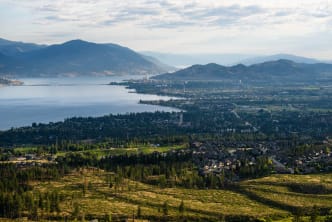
(145, 149)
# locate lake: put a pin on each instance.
(43, 100)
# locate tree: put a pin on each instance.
(107, 217)
(40, 202)
(298, 215)
(328, 218)
(223, 219)
(76, 210)
(162, 181)
(139, 212)
(34, 213)
(165, 208)
(314, 214)
(181, 208)
(18, 205)
(54, 204)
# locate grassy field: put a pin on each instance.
(25, 150)
(132, 150)
(269, 199)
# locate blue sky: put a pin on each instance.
(302, 27)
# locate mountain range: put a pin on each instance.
(294, 58)
(186, 60)
(73, 58)
(78, 57)
(279, 70)
(226, 59)
(12, 48)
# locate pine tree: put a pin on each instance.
(108, 217)
(165, 208)
(139, 212)
(40, 202)
(76, 210)
(181, 208)
(314, 214)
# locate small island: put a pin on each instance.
(9, 82)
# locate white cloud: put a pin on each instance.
(171, 25)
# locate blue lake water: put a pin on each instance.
(44, 100)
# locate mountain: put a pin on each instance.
(280, 70)
(294, 58)
(186, 60)
(159, 63)
(4, 59)
(78, 57)
(6, 62)
(12, 48)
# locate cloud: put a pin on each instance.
(169, 16)
(172, 14)
(47, 8)
(227, 15)
(168, 25)
(55, 18)
(146, 13)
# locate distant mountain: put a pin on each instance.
(4, 59)
(186, 60)
(159, 63)
(5, 63)
(226, 59)
(12, 48)
(294, 58)
(280, 70)
(76, 58)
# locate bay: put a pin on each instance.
(44, 100)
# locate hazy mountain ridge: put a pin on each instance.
(13, 48)
(159, 63)
(185, 60)
(226, 59)
(294, 58)
(272, 70)
(77, 57)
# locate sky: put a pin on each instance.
(302, 27)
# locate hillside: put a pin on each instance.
(5, 61)
(294, 58)
(273, 70)
(186, 60)
(13, 48)
(76, 58)
(271, 198)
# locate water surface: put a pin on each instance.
(54, 99)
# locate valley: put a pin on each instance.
(165, 111)
(222, 143)
(246, 151)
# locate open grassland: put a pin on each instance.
(25, 150)
(146, 149)
(291, 191)
(88, 192)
